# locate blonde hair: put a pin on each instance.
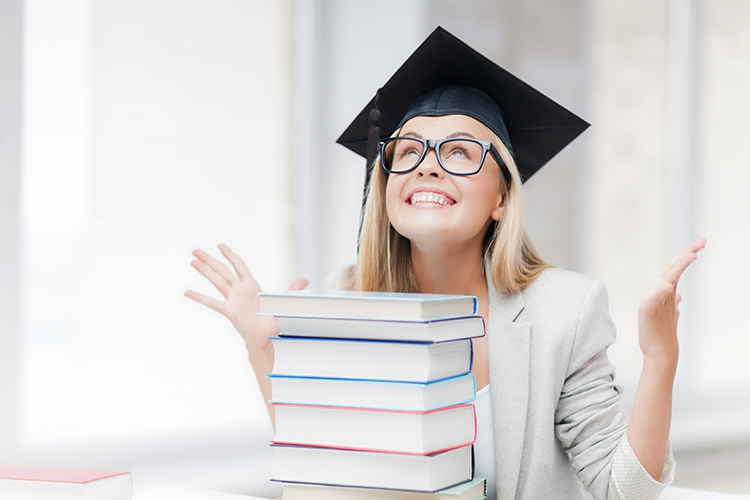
(384, 263)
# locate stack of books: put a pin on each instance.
(373, 395)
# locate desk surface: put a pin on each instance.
(190, 493)
(186, 493)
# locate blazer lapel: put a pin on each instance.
(508, 346)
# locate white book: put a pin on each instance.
(299, 464)
(370, 360)
(19, 482)
(387, 395)
(440, 330)
(371, 305)
(476, 489)
(391, 431)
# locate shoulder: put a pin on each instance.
(565, 301)
(563, 286)
(340, 280)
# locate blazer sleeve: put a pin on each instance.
(589, 421)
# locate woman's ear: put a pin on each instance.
(499, 211)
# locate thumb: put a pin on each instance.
(299, 284)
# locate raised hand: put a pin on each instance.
(240, 290)
(658, 312)
(651, 417)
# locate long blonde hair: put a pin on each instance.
(384, 263)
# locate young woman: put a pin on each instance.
(443, 215)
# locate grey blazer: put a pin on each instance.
(557, 415)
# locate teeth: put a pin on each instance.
(429, 198)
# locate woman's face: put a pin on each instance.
(465, 205)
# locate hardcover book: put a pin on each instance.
(440, 330)
(327, 466)
(385, 395)
(372, 305)
(370, 360)
(20, 482)
(476, 489)
(411, 432)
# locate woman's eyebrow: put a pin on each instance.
(412, 134)
(460, 134)
(451, 136)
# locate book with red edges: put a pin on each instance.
(409, 432)
(20, 482)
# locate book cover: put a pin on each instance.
(333, 467)
(384, 395)
(441, 330)
(476, 489)
(370, 360)
(372, 305)
(21, 482)
(408, 432)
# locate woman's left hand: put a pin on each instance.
(658, 313)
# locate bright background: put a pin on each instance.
(133, 132)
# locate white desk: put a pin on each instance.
(676, 493)
(186, 493)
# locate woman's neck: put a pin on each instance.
(452, 272)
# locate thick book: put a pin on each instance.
(409, 432)
(370, 360)
(19, 482)
(327, 466)
(385, 395)
(440, 330)
(371, 305)
(476, 489)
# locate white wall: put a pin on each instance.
(150, 129)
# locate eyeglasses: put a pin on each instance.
(457, 156)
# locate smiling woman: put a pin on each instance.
(443, 216)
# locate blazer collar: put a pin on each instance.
(509, 305)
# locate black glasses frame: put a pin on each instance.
(434, 144)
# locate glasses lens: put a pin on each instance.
(461, 156)
(400, 155)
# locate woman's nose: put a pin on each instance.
(430, 165)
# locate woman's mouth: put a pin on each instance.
(430, 198)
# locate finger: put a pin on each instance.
(678, 299)
(299, 284)
(216, 265)
(693, 248)
(239, 266)
(216, 305)
(215, 278)
(673, 275)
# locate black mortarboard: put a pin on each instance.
(531, 125)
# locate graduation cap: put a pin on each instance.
(444, 76)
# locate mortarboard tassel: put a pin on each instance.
(373, 136)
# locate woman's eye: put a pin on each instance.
(457, 153)
(409, 152)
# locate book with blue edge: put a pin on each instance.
(369, 305)
(377, 394)
(370, 359)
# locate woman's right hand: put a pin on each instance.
(241, 294)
